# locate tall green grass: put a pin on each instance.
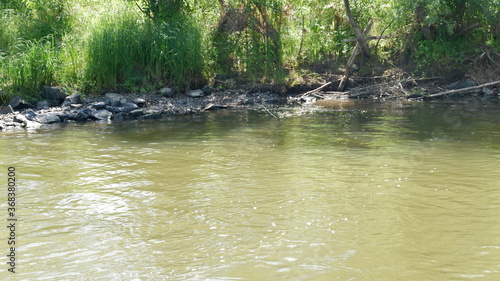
(127, 52)
(31, 68)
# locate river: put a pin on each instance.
(346, 191)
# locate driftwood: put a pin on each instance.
(315, 90)
(393, 88)
(463, 91)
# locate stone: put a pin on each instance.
(99, 105)
(129, 106)
(5, 109)
(48, 118)
(212, 106)
(102, 114)
(195, 93)
(207, 90)
(54, 95)
(487, 91)
(167, 92)
(19, 118)
(18, 103)
(139, 102)
(76, 115)
(137, 113)
(30, 115)
(72, 99)
(116, 100)
(114, 109)
(76, 106)
(120, 117)
(83, 114)
(44, 104)
(151, 114)
(230, 83)
(66, 116)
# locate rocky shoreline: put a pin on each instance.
(57, 107)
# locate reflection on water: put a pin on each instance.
(360, 191)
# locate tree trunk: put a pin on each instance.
(497, 29)
(359, 35)
(425, 28)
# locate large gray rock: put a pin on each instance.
(53, 94)
(207, 90)
(83, 114)
(102, 114)
(139, 102)
(114, 109)
(30, 115)
(18, 103)
(66, 116)
(5, 109)
(130, 106)
(72, 99)
(167, 92)
(120, 117)
(115, 100)
(99, 105)
(195, 93)
(48, 118)
(137, 113)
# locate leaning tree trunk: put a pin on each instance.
(359, 34)
(350, 62)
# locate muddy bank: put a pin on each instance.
(113, 107)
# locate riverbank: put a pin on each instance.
(114, 107)
(57, 107)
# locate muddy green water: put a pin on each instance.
(353, 191)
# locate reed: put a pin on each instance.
(26, 72)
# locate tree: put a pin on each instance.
(359, 34)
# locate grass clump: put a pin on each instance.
(127, 52)
(31, 68)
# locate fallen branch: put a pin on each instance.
(468, 90)
(269, 112)
(315, 90)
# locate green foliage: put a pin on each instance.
(46, 17)
(32, 68)
(135, 45)
(166, 10)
